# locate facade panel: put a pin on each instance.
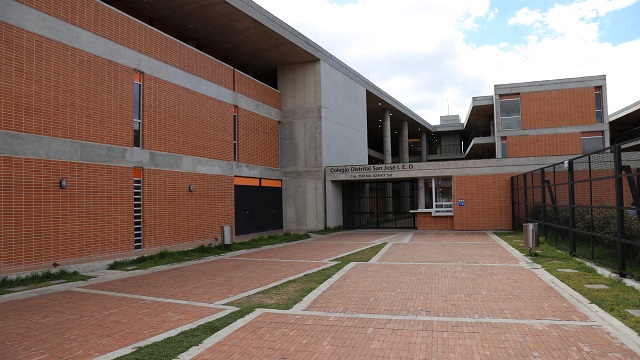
(258, 139)
(54, 90)
(544, 145)
(42, 223)
(487, 202)
(558, 108)
(100, 19)
(182, 121)
(174, 215)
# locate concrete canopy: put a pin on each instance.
(625, 119)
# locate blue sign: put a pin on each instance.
(460, 202)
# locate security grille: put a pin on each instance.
(137, 212)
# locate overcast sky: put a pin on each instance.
(434, 55)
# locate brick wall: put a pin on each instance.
(558, 108)
(172, 215)
(487, 202)
(182, 121)
(54, 90)
(42, 223)
(258, 139)
(544, 145)
(256, 90)
(427, 222)
(102, 20)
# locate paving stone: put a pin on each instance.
(451, 237)
(568, 270)
(210, 281)
(57, 281)
(75, 325)
(634, 312)
(292, 336)
(464, 291)
(596, 286)
(470, 253)
(315, 250)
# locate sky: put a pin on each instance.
(434, 55)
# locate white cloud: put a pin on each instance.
(415, 50)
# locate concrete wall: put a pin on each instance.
(344, 119)
(324, 123)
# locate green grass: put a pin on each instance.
(329, 230)
(283, 297)
(614, 300)
(166, 257)
(39, 280)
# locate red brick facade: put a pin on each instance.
(182, 121)
(558, 108)
(544, 145)
(427, 222)
(102, 20)
(54, 90)
(487, 202)
(258, 140)
(42, 223)
(173, 215)
(256, 90)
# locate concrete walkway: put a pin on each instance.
(425, 296)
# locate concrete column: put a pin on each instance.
(424, 146)
(386, 136)
(421, 195)
(404, 140)
(400, 149)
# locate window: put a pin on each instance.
(598, 105)
(137, 110)
(235, 133)
(510, 112)
(440, 190)
(592, 141)
(503, 145)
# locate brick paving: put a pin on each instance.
(474, 253)
(354, 237)
(442, 295)
(463, 291)
(74, 325)
(451, 237)
(294, 336)
(208, 282)
(308, 250)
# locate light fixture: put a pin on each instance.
(63, 184)
(191, 188)
(379, 104)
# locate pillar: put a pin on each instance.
(404, 138)
(423, 146)
(386, 136)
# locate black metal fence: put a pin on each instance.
(587, 205)
(379, 204)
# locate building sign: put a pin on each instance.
(363, 172)
(460, 202)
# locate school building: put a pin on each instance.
(140, 125)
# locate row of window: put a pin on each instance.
(510, 117)
(137, 116)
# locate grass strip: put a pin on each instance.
(166, 257)
(614, 300)
(37, 280)
(282, 297)
(329, 230)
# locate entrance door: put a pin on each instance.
(379, 204)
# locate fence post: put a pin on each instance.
(543, 184)
(617, 166)
(572, 210)
(526, 202)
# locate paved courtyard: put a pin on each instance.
(425, 296)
